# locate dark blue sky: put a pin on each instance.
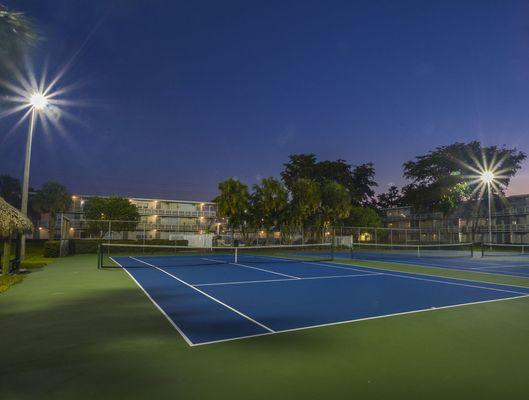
(184, 94)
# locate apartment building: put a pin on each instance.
(510, 222)
(159, 219)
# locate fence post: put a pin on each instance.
(109, 230)
(144, 235)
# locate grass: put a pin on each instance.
(34, 256)
(74, 332)
(34, 260)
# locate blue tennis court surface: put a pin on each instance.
(511, 265)
(219, 301)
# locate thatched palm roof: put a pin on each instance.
(12, 220)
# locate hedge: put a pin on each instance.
(52, 248)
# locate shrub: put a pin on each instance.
(9, 280)
(52, 248)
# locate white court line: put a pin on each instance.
(180, 331)
(328, 264)
(402, 275)
(393, 272)
(335, 266)
(248, 266)
(289, 280)
(362, 319)
(432, 265)
(501, 266)
(207, 295)
(320, 325)
(457, 284)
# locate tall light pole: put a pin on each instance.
(488, 177)
(37, 102)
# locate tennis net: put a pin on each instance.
(504, 250)
(117, 255)
(392, 251)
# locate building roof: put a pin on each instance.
(12, 221)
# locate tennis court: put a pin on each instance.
(211, 297)
(503, 259)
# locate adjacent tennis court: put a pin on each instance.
(503, 259)
(216, 295)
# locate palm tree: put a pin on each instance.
(335, 203)
(52, 198)
(17, 33)
(305, 202)
(233, 203)
(270, 199)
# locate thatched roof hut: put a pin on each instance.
(12, 221)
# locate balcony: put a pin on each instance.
(519, 228)
(415, 217)
(177, 213)
(140, 226)
(512, 211)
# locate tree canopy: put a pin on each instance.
(268, 203)
(17, 34)
(123, 214)
(358, 180)
(10, 190)
(389, 199)
(448, 175)
(51, 198)
(233, 202)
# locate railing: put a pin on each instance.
(139, 226)
(495, 213)
(512, 211)
(177, 213)
(497, 228)
(401, 217)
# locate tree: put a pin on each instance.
(17, 33)
(269, 201)
(305, 202)
(123, 214)
(389, 199)
(299, 166)
(358, 180)
(365, 217)
(445, 177)
(363, 183)
(335, 203)
(233, 203)
(52, 198)
(10, 190)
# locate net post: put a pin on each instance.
(418, 250)
(236, 255)
(482, 250)
(472, 250)
(99, 257)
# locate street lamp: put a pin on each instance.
(38, 102)
(488, 177)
